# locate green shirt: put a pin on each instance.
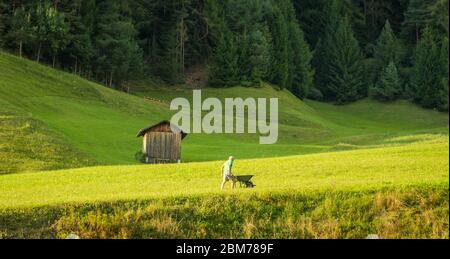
(227, 167)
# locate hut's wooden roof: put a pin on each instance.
(144, 131)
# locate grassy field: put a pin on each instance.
(95, 124)
(337, 171)
(412, 164)
(389, 191)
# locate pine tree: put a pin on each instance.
(301, 74)
(389, 86)
(259, 56)
(20, 31)
(387, 48)
(243, 48)
(223, 69)
(322, 54)
(80, 48)
(57, 32)
(40, 28)
(115, 43)
(312, 19)
(427, 71)
(3, 19)
(338, 60)
(49, 30)
(345, 69)
(443, 92)
(169, 66)
(417, 17)
(279, 64)
(439, 13)
(5, 16)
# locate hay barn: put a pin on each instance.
(161, 145)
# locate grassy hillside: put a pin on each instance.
(337, 171)
(83, 123)
(98, 122)
(412, 164)
(345, 194)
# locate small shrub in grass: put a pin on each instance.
(140, 157)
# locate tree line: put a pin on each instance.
(333, 50)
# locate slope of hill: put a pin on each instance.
(92, 124)
(389, 176)
(411, 164)
(389, 191)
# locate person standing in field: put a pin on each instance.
(227, 174)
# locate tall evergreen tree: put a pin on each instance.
(57, 32)
(439, 13)
(386, 50)
(389, 86)
(118, 52)
(224, 69)
(40, 29)
(79, 15)
(4, 17)
(443, 92)
(427, 71)
(301, 74)
(259, 55)
(20, 31)
(417, 17)
(279, 65)
(338, 60)
(311, 14)
(387, 47)
(344, 73)
(322, 53)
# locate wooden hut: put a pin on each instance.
(161, 144)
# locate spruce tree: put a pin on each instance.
(170, 67)
(439, 13)
(389, 86)
(40, 28)
(301, 73)
(387, 48)
(223, 69)
(117, 50)
(259, 56)
(338, 60)
(345, 70)
(322, 54)
(443, 92)
(427, 71)
(20, 31)
(417, 17)
(57, 32)
(80, 48)
(279, 64)
(3, 19)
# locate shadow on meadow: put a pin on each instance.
(420, 212)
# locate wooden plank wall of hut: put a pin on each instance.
(163, 147)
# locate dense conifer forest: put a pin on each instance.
(331, 50)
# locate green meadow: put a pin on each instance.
(97, 125)
(67, 165)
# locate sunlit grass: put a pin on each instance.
(424, 163)
(95, 122)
